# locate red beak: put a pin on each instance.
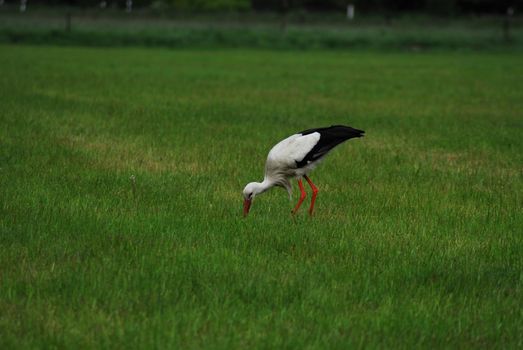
(246, 206)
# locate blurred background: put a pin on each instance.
(304, 24)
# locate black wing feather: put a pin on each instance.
(330, 137)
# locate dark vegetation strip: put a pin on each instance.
(260, 38)
(75, 26)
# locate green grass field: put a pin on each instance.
(417, 239)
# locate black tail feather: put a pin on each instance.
(337, 131)
(330, 137)
(347, 130)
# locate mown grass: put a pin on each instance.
(416, 241)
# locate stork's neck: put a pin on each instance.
(265, 185)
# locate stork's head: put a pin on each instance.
(249, 192)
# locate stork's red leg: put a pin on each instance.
(302, 197)
(314, 193)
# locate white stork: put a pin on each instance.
(295, 157)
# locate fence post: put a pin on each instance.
(506, 24)
(284, 11)
(68, 21)
(350, 12)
